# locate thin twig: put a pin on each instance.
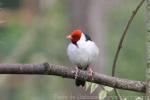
(123, 36)
(65, 72)
(121, 41)
(118, 94)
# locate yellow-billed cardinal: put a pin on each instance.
(82, 51)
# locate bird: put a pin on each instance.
(82, 52)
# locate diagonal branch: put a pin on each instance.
(57, 70)
(121, 42)
(123, 36)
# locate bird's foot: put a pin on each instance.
(76, 72)
(91, 73)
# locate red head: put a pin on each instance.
(75, 36)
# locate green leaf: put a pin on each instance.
(102, 95)
(108, 89)
(93, 87)
(87, 85)
(124, 98)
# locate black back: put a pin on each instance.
(87, 37)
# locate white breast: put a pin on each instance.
(83, 54)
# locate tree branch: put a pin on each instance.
(57, 70)
(123, 36)
(121, 42)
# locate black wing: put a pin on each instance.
(88, 37)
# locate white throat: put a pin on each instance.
(83, 38)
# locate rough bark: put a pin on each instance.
(50, 69)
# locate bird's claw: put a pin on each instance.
(90, 72)
(76, 72)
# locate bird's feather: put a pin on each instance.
(87, 37)
(83, 54)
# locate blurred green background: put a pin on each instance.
(34, 31)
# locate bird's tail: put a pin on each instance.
(80, 82)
